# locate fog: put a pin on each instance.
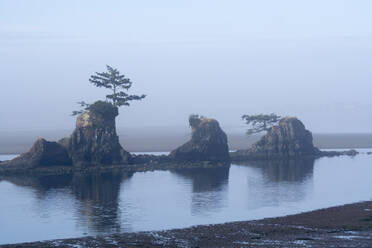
(221, 59)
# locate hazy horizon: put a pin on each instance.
(161, 139)
(216, 58)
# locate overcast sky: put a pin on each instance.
(311, 59)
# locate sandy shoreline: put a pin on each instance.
(342, 226)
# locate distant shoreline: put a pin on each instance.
(17, 142)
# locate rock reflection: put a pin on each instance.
(41, 184)
(279, 181)
(286, 170)
(209, 187)
(97, 194)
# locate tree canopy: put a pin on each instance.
(260, 123)
(117, 83)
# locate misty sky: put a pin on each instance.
(311, 59)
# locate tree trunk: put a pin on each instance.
(114, 98)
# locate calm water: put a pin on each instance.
(71, 206)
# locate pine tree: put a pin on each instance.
(260, 123)
(118, 84)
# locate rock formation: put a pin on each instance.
(350, 153)
(94, 140)
(208, 142)
(287, 139)
(42, 153)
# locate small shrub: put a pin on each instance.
(104, 109)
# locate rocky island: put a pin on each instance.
(208, 147)
(43, 153)
(94, 145)
(94, 140)
(288, 139)
(208, 142)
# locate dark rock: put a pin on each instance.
(42, 153)
(94, 140)
(351, 153)
(208, 142)
(287, 139)
(147, 158)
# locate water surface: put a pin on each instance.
(50, 207)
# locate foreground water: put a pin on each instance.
(71, 206)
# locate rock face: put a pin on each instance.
(208, 142)
(42, 153)
(94, 140)
(287, 139)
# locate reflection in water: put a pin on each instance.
(279, 181)
(99, 195)
(286, 170)
(208, 187)
(206, 179)
(41, 184)
(51, 207)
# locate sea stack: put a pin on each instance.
(42, 154)
(94, 140)
(288, 139)
(208, 142)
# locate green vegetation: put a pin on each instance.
(104, 109)
(260, 123)
(117, 83)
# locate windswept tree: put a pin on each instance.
(118, 85)
(260, 123)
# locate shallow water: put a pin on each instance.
(42, 208)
